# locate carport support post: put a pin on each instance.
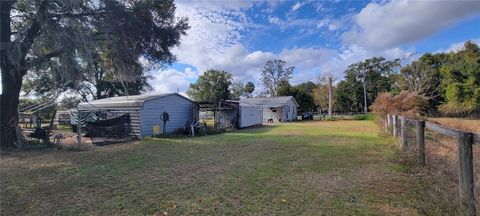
(421, 141)
(79, 129)
(465, 172)
(403, 133)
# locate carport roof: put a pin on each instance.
(270, 101)
(124, 101)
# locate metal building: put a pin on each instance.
(234, 114)
(276, 109)
(147, 111)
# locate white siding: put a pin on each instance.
(250, 116)
(179, 109)
(289, 111)
(269, 114)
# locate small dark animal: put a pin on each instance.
(270, 120)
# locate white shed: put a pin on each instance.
(276, 108)
(146, 111)
(235, 114)
(249, 115)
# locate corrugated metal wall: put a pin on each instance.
(179, 109)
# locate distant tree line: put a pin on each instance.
(449, 81)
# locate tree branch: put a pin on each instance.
(76, 15)
(44, 58)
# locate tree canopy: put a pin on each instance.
(461, 80)
(249, 88)
(451, 81)
(213, 86)
(237, 90)
(274, 74)
(303, 98)
(62, 37)
(376, 75)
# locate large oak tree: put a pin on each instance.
(61, 36)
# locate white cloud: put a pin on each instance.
(213, 42)
(297, 6)
(397, 22)
(247, 66)
(215, 26)
(171, 80)
(274, 20)
(457, 46)
(354, 53)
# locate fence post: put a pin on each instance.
(421, 141)
(465, 172)
(79, 128)
(388, 120)
(395, 126)
(385, 124)
(404, 133)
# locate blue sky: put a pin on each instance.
(317, 37)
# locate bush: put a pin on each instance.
(333, 118)
(405, 103)
(362, 117)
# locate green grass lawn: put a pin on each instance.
(305, 168)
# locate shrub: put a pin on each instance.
(333, 118)
(405, 103)
(361, 117)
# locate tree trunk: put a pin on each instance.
(13, 68)
(330, 97)
(10, 87)
(365, 96)
(9, 104)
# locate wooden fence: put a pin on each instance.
(465, 142)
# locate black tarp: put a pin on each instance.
(118, 127)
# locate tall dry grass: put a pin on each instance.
(465, 124)
(406, 103)
(442, 169)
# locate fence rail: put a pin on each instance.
(465, 142)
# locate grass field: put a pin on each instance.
(305, 168)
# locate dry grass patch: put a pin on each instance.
(466, 124)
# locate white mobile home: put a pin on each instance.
(277, 109)
(146, 111)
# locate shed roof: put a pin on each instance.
(124, 101)
(270, 101)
